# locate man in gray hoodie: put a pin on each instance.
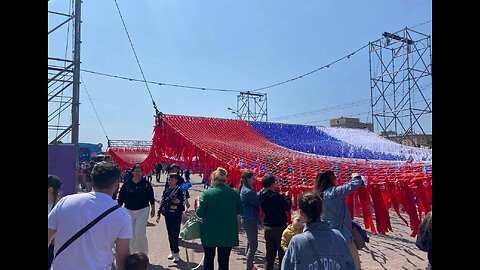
(319, 246)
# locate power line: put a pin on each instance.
(338, 106)
(303, 114)
(223, 89)
(362, 113)
(310, 72)
(93, 106)
(161, 83)
(322, 67)
(331, 108)
(420, 24)
(136, 57)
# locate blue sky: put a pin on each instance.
(228, 44)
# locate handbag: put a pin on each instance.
(360, 236)
(191, 229)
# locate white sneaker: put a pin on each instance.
(176, 257)
(170, 256)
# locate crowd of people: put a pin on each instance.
(318, 237)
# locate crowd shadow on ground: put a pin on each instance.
(377, 252)
(196, 246)
(182, 265)
(259, 258)
(381, 247)
(195, 251)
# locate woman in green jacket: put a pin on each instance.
(219, 208)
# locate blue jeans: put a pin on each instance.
(251, 229)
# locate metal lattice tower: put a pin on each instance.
(252, 106)
(64, 73)
(400, 76)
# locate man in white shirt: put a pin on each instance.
(93, 249)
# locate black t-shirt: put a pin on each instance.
(274, 205)
(136, 196)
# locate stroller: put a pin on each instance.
(190, 233)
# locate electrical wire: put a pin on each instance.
(136, 57)
(161, 83)
(224, 89)
(93, 106)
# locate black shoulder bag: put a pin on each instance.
(85, 229)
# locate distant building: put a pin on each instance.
(388, 133)
(350, 123)
(416, 140)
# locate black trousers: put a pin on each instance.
(273, 239)
(157, 176)
(223, 257)
(173, 222)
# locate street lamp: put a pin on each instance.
(234, 112)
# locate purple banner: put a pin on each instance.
(63, 162)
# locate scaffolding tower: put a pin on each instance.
(252, 106)
(64, 71)
(400, 83)
(129, 144)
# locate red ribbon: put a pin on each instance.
(203, 144)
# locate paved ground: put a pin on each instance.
(397, 250)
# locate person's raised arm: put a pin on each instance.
(348, 188)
